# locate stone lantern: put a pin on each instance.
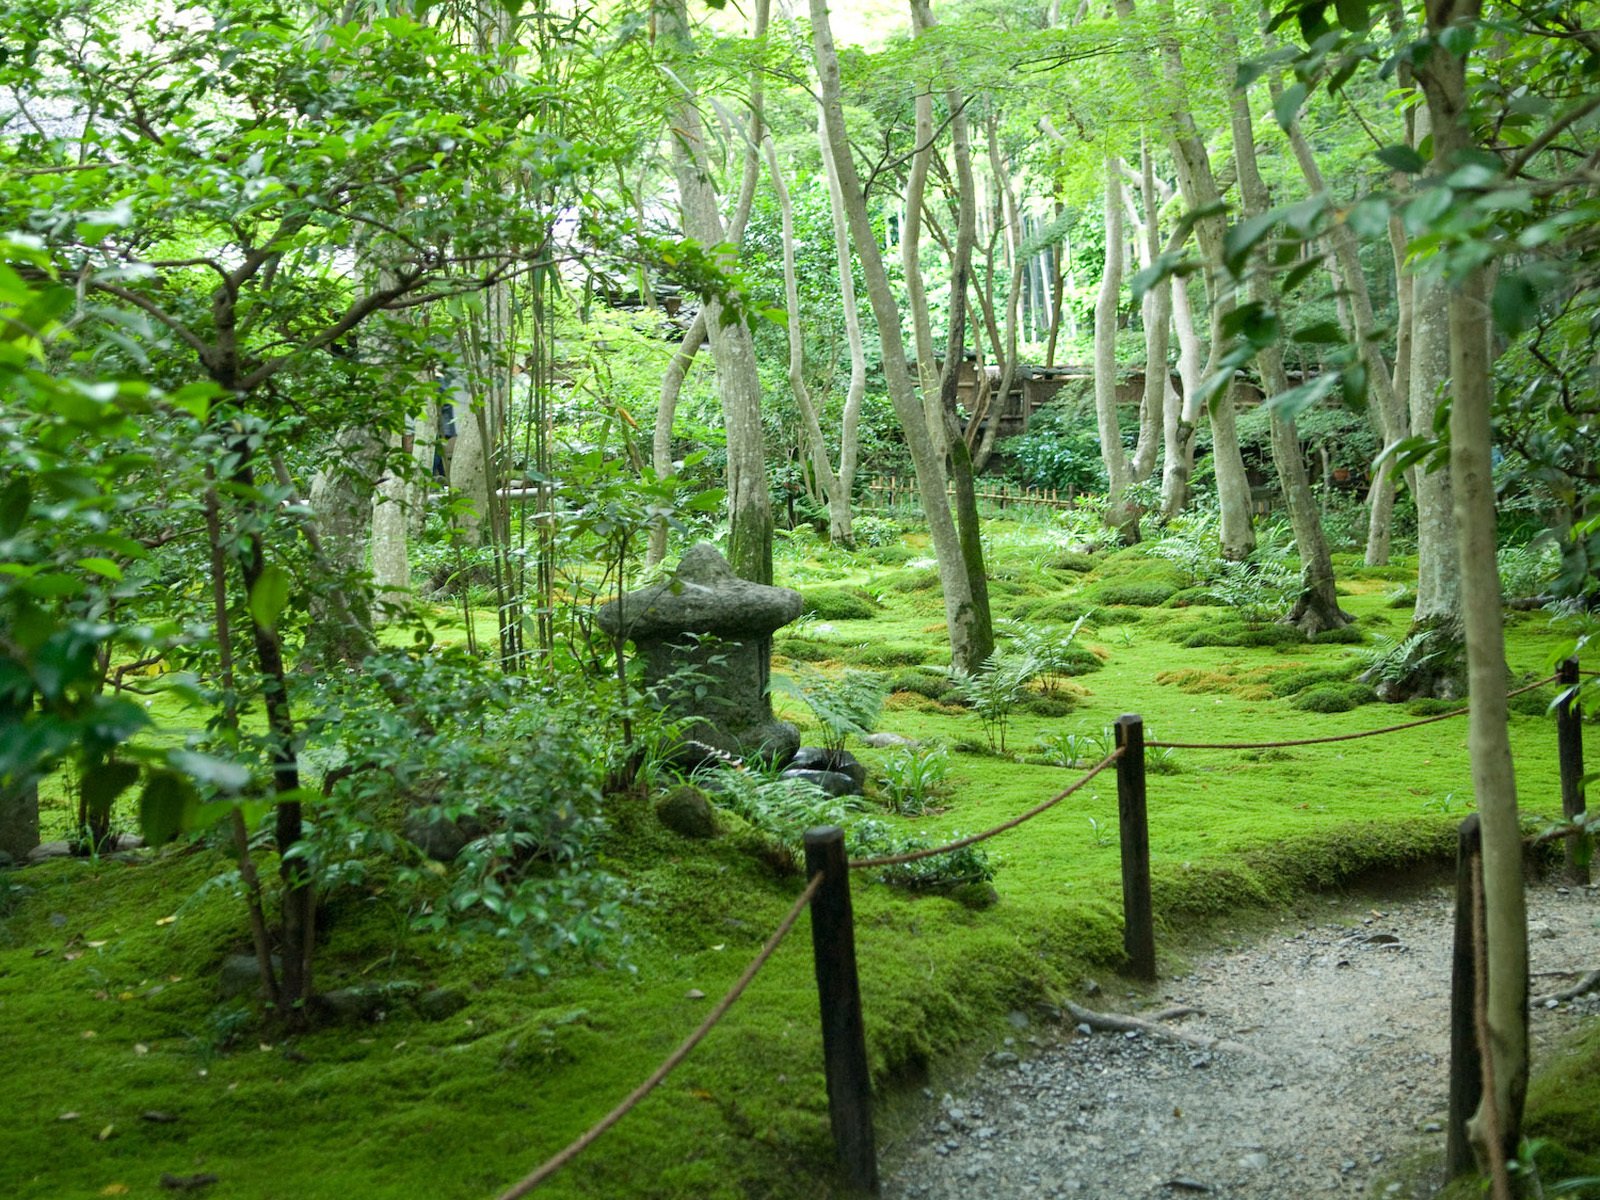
(705, 636)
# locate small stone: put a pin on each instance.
(1004, 1058)
(1083, 1028)
(686, 811)
(439, 1003)
(1256, 1161)
(694, 994)
(49, 850)
(1433, 1127)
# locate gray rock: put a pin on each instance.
(354, 1003)
(241, 975)
(686, 811)
(815, 758)
(439, 1003)
(50, 850)
(832, 782)
(6, 861)
(703, 596)
(888, 741)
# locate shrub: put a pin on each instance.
(839, 604)
(914, 777)
(843, 704)
(941, 873)
(871, 531)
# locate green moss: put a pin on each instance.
(922, 683)
(839, 603)
(1233, 632)
(1133, 592)
(1564, 1108)
(1060, 612)
(1333, 697)
(1190, 597)
(887, 654)
(800, 649)
(912, 579)
(1345, 635)
(889, 556)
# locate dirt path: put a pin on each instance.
(1339, 1068)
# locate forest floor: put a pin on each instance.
(1330, 1078)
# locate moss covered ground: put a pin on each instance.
(113, 1022)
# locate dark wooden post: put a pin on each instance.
(1466, 1069)
(1138, 914)
(1569, 752)
(844, 1039)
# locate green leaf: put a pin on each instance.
(1427, 208)
(1286, 105)
(268, 597)
(166, 807)
(203, 768)
(1369, 218)
(1515, 303)
(102, 566)
(1319, 333)
(104, 782)
(14, 500)
(1296, 400)
(1402, 158)
(1352, 14)
(1243, 238)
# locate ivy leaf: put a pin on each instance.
(268, 597)
(204, 768)
(1368, 218)
(1319, 333)
(1243, 238)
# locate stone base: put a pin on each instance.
(703, 743)
(19, 821)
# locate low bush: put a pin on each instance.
(914, 778)
(839, 604)
(941, 873)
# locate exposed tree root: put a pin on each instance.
(1587, 984)
(1122, 1023)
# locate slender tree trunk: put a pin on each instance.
(391, 567)
(661, 460)
(1198, 184)
(1157, 312)
(1496, 1127)
(1185, 420)
(738, 382)
(970, 643)
(1316, 608)
(832, 486)
(1106, 309)
(1011, 233)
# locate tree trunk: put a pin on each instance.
(1184, 410)
(391, 567)
(836, 490)
(1496, 1127)
(1200, 192)
(1157, 312)
(970, 643)
(733, 348)
(1316, 609)
(1105, 362)
(661, 460)
(850, 422)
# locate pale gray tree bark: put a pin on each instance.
(970, 643)
(1183, 412)
(732, 347)
(1316, 608)
(1496, 1127)
(1112, 453)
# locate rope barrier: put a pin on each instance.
(583, 1142)
(1338, 737)
(895, 860)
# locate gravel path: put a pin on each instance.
(1335, 1066)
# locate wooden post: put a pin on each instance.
(1138, 913)
(1466, 1069)
(1569, 752)
(844, 1041)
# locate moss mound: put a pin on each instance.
(922, 683)
(1333, 697)
(802, 649)
(839, 603)
(912, 579)
(1234, 632)
(1135, 593)
(888, 654)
